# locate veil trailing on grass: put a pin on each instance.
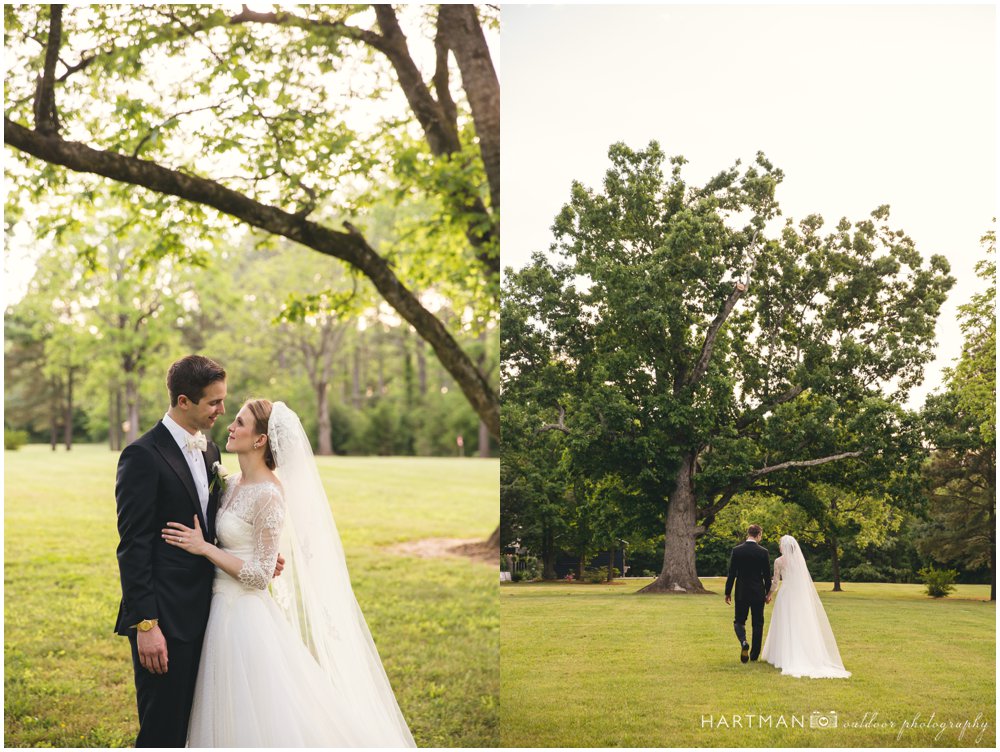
(800, 640)
(314, 590)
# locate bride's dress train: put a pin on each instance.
(800, 640)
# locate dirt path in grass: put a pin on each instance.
(434, 548)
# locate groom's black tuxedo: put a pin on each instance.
(159, 581)
(750, 568)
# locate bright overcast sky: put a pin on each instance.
(858, 105)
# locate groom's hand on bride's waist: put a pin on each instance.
(278, 566)
(152, 647)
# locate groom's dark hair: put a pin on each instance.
(753, 531)
(190, 376)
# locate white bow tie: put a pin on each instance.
(198, 441)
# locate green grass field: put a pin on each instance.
(68, 679)
(595, 665)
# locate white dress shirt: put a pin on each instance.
(195, 460)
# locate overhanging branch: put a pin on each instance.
(349, 247)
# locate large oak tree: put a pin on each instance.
(693, 349)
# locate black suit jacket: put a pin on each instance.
(159, 581)
(750, 567)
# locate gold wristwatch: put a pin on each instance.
(146, 624)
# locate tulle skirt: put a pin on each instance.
(800, 640)
(259, 686)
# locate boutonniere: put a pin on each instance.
(219, 475)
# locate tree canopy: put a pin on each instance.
(292, 122)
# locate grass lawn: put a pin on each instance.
(595, 665)
(68, 678)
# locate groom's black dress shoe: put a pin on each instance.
(744, 652)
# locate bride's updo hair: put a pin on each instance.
(787, 544)
(260, 409)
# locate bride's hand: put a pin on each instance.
(186, 538)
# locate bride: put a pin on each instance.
(800, 641)
(296, 667)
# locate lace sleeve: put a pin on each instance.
(778, 566)
(268, 519)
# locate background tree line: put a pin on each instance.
(366, 134)
(87, 347)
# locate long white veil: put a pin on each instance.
(314, 590)
(803, 643)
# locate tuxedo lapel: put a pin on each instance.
(214, 493)
(170, 452)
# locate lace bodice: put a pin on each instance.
(249, 525)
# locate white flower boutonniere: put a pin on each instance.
(219, 475)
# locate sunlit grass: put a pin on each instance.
(68, 678)
(595, 665)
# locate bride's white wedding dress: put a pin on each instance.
(800, 640)
(298, 669)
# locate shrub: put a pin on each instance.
(864, 572)
(938, 581)
(14, 440)
(598, 574)
(649, 573)
(532, 568)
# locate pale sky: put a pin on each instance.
(858, 105)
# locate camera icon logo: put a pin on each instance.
(823, 720)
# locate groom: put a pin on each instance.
(750, 567)
(166, 476)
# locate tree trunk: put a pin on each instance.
(356, 379)
(421, 369)
(380, 362)
(404, 344)
(993, 573)
(835, 558)
(548, 555)
(54, 413)
(132, 403)
(494, 540)
(679, 574)
(581, 565)
(611, 565)
(119, 435)
(112, 419)
(68, 424)
(325, 448)
(993, 544)
(484, 440)
(464, 36)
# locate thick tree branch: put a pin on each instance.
(751, 416)
(290, 19)
(46, 117)
(437, 118)
(441, 136)
(713, 331)
(441, 78)
(560, 426)
(350, 248)
(803, 463)
(465, 37)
